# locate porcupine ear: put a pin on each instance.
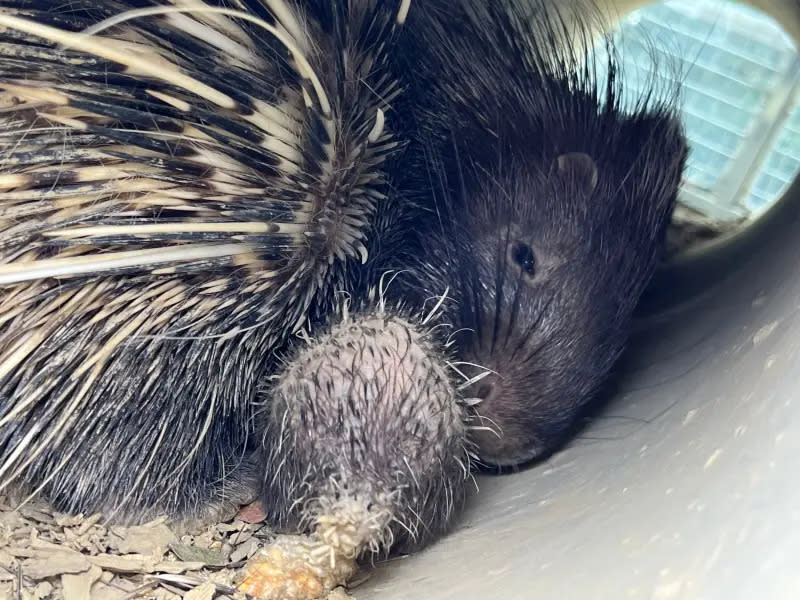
(579, 168)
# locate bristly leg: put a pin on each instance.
(365, 445)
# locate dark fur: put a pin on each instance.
(501, 98)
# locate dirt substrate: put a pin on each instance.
(48, 556)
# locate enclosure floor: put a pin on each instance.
(45, 555)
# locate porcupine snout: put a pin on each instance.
(366, 437)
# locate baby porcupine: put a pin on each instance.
(182, 186)
(553, 188)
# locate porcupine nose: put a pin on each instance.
(487, 434)
(500, 433)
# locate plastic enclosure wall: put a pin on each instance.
(687, 485)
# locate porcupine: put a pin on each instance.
(553, 186)
(182, 187)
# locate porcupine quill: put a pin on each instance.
(182, 187)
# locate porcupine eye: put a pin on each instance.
(522, 255)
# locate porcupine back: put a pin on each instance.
(179, 191)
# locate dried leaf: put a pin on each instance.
(246, 550)
(49, 547)
(41, 591)
(231, 527)
(79, 586)
(208, 556)
(176, 567)
(68, 520)
(102, 591)
(145, 539)
(36, 513)
(6, 560)
(205, 591)
(11, 519)
(57, 563)
(240, 537)
(120, 564)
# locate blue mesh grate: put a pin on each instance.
(780, 166)
(732, 59)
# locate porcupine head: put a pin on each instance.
(552, 202)
(365, 434)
